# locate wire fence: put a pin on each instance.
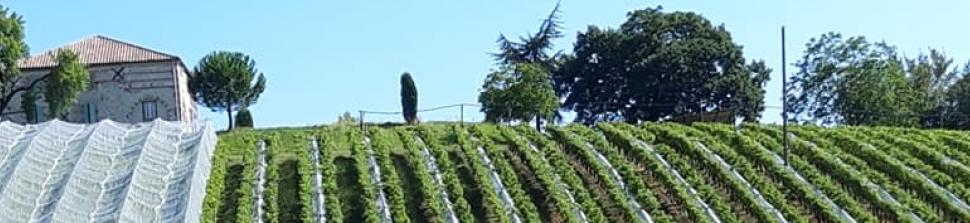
(602, 106)
(460, 106)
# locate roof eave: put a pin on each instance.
(107, 64)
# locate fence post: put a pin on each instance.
(461, 116)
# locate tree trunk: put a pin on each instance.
(538, 124)
(229, 111)
(3, 107)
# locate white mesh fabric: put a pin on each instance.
(103, 172)
(36, 183)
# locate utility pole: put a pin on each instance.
(784, 97)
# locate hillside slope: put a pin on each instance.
(609, 173)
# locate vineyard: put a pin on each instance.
(612, 172)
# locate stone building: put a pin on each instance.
(129, 83)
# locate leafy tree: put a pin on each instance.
(533, 49)
(852, 81)
(658, 65)
(520, 92)
(930, 76)
(346, 119)
(956, 107)
(65, 83)
(12, 49)
(226, 81)
(244, 119)
(409, 99)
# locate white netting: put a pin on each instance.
(778, 161)
(680, 179)
(737, 176)
(319, 199)
(103, 172)
(503, 194)
(375, 173)
(631, 199)
(432, 164)
(865, 181)
(577, 208)
(260, 187)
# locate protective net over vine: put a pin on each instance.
(104, 172)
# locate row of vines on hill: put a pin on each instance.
(612, 172)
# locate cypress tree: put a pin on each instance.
(409, 99)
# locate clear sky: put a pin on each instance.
(323, 58)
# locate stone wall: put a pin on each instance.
(117, 92)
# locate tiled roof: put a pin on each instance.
(98, 50)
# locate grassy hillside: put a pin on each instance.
(609, 173)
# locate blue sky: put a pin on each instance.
(326, 57)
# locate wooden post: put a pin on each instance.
(461, 115)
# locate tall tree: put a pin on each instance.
(534, 49)
(520, 92)
(658, 65)
(227, 81)
(65, 84)
(12, 49)
(409, 98)
(930, 76)
(852, 81)
(956, 106)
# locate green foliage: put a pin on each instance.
(346, 119)
(226, 81)
(930, 77)
(956, 108)
(533, 48)
(520, 92)
(449, 171)
(656, 65)
(856, 82)
(12, 49)
(65, 84)
(676, 172)
(530, 49)
(409, 99)
(244, 119)
(29, 104)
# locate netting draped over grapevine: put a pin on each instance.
(104, 172)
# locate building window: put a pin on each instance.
(92, 113)
(149, 110)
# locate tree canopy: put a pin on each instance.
(227, 81)
(409, 99)
(65, 83)
(521, 92)
(523, 76)
(244, 118)
(857, 82)
(956, 105)
(12, 48)
(657, 65)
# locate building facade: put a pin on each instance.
(129, 83)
